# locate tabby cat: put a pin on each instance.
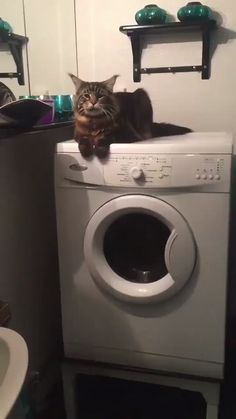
(103, 117)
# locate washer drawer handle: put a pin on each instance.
(78, 167)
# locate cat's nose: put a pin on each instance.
(93, 99)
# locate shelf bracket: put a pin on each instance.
(15, 44)
(205, 53)
(16, 51)
(136, 50)
(134, 32)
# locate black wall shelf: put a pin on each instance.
(15, 44)
(135, 32)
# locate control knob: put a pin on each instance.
(136, 172)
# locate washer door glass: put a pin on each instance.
(139, 248)
(134, 247)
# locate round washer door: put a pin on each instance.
(139, 248)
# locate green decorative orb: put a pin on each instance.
(5, 26)
(150, 15)
(194, 12)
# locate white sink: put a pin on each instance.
(13, 368)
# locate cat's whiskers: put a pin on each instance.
(107, 113)
(81, 111)
(111, 110)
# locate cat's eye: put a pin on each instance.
(86, 96)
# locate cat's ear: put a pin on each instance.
(77, 82)
(110, 82)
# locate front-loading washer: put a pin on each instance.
(143, 246)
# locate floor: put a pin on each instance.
(55, 406)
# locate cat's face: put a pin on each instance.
(95, 99)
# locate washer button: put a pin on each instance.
(198, 176)
(211, 176)
(204, 176)
(217, 177)
(161, 176)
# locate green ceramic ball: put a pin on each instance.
(151, 14)
(5, 26)
(194, 12)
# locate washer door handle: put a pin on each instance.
(168, 248)
(178, 245)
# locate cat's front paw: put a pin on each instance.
(102, 147)
(102, 150)
(86, 148)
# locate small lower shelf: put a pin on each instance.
(15, 44)
(136, 31)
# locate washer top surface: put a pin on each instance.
(196, 143)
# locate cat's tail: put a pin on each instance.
(164, 130)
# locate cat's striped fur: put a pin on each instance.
(103, 117)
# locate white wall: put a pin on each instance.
(183, 98)
(50, 26)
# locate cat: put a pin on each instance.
(103, 117)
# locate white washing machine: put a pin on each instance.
(143, 244)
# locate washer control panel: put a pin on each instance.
(137, 169)
(159, 170)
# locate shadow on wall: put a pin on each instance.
(220, 36)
